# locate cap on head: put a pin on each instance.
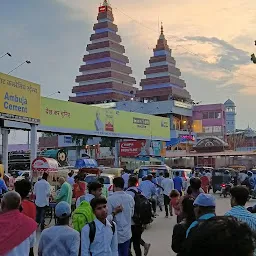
(205, 200)
(62, 210)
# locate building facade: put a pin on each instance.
(230, 109)
(105, 76)
(213, 119)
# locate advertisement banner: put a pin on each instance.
(69, 117)
(141, 148)
(19, 99)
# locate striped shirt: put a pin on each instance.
(243, 215)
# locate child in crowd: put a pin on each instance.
(175, 203)
(102, 234)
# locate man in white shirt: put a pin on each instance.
(126, 177)
(168, 185)
(124, 218)
(42, 192)
(99, 238)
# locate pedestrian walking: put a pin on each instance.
(178, 182)
(122, 219)
(205, 183)
(180, 229)
(99, 237)
(126, 177)
(204, 207)
(79, 188)
(94, 190)
(71, 178)
(104, 189)
(3, 187)
(195, 185)
(175, 203)
(60, 239)
(239, 197)
(65, 193)
(18, 231)
(42, 192)
(168, 186)
(137, 228)
(148, 189)
(23, 187)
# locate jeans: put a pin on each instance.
(40, 215)
(167, 205)
(136, 239)
(153, 202)
(123, 249)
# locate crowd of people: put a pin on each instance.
(102, 225)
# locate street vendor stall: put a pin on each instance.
(44, 164)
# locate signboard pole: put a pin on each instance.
(33, 144)
(116, 153)
(5, 133)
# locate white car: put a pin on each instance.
(23, 175)
(108, 181)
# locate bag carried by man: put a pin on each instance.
(142, 210)
(82, 215)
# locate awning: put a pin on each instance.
(86, 163)
(44, 164)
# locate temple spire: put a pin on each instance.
(105, 3)
(162, 32)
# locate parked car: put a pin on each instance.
(108, 181)
(185, 174)
(23, 175)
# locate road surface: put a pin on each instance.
(159, 233)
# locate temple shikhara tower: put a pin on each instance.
(105, 76)
(162, 80)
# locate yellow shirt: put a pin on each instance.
(2, 170)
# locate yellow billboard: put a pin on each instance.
(19, 99)
(68, 117)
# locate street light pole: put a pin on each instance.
(27, 61)
(8, 54)
(58, 92)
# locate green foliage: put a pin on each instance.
(48, 134)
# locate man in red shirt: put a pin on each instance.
(23, 187)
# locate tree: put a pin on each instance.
(253, 57)
(49, 134)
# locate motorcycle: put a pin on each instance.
(225, 189)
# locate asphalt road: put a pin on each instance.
(159, 233)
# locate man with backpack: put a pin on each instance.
(99, 237)
(122, 219)
(142, 215)
(83, 214)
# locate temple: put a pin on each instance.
(105, 76)
(162, 80)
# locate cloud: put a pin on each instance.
(230, 56)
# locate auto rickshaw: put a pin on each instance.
(221, 176)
